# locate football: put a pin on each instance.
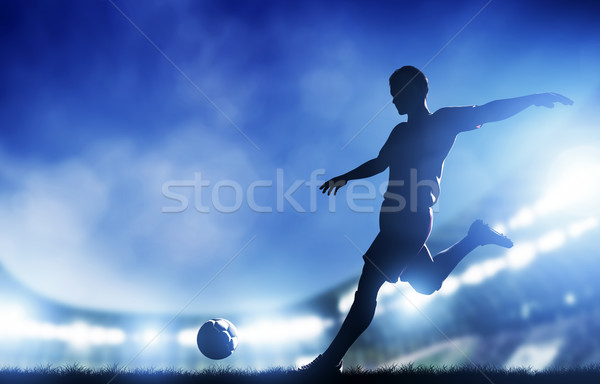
(217, 339)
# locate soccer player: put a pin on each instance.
(414, 153)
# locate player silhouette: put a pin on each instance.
(414, 153)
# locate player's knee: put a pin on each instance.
(425, 287)
(424, 290)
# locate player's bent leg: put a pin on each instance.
(426, 285)
(422, 273)
(426, 276)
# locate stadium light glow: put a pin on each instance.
(149, 335)
(284, 331)
(578, 228)
(450, 285)
(523, 218)
(483, 270)
(499, 227)
(493, 266)
(520, 255)
(570, 298)
(574, 181)
(346, 301)
(551, 240)
(387, 290)
(16, 326)
(79, 335)
(412, 301)
(473, 275)
(187, 337)
(536, 356)
(13, 322)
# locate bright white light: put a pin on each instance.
(387, 290)
(412, 301)
(574, 181)
(16, 326)
(492, 266)
(96, 335)
(535, 355)
(282, 332)
(149, 335)
(13, 321)
(520, 255)
(114, 336)
(79, 335)
(303, 360)
(499, 227)
(187, 337)
(580, 227)
(62, 333)
(551, 241)
(450, 285)
(570, 299)
(545, 206)
(346, 301)
(523, 218)
(473, 275)
(46, 331)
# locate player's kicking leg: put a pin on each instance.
(427, 277)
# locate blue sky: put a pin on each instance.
(94, 121)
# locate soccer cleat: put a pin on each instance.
(483, 234)
(321, 366)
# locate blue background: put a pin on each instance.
(95, 120)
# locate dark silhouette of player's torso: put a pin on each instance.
(415, 153)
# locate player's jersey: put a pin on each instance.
(415, 154)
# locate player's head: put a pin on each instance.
(408, 87)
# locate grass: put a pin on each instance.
(394, 374)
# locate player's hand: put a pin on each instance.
(333, 185)
(548, 100)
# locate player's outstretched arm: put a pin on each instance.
(368, 169)
(502, 109)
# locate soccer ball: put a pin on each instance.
(217, 339)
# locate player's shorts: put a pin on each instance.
(402, 236)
